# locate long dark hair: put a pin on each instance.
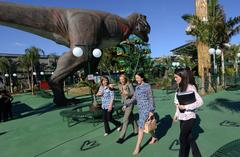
(141, 74)
(187, 78)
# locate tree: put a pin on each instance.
(25, 66)
(8, 66)
(32, 57)
(232, 56)
(129, 56)
(107, 61)
(134, 57)
(187, 61)
(4, 65)
(214, 30)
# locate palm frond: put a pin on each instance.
(233, 21)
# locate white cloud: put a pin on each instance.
(19, 44)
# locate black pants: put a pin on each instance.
(187, 140)
(107, 117)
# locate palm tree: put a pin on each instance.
(25, 66)
(7, 66)
(4, 65)
(32, 56)
(187, 61)
(215, 30)
(232, 55)
(93, 89)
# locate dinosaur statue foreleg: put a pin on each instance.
(67, 64)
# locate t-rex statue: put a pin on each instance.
(85, 29)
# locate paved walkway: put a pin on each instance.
(40, 131)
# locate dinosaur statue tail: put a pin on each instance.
(41, 21)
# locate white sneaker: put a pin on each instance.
(105, 134)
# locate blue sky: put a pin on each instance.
(164, 16)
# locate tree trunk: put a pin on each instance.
(32, 78)
(29, 81)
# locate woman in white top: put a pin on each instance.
(186, 114)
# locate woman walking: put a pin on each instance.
(127, 91)
(144, 98)
(186, 113)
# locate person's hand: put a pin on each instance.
(174, 118)
(150, 114)
(181, 107)
(111, 86)
(99, 94)
(110, 108)
(124, 93)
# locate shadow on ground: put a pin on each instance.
(230, 149)
(21, 110)
(220, 103)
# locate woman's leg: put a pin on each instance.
(193, 144)
(105, 121)
(126, 118)
(139, 141)
(110, 118)
(133, 121)
(185, 130)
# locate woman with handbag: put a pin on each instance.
(186, 113)
(127, 91)
(144, 98)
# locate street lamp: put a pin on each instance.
(215, 52)
(14, 75)
(175, 64)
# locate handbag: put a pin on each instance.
(150, 124)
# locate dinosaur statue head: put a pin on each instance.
(139, 25)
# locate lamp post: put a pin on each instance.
(175, 64)
(6, 76)
(78, 52)
(215, 52)
(42, 74)
(14, 76)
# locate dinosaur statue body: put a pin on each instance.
(86, 29)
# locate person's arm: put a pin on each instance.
(177, 110)
(130, 101)
(131, 90)
(150, 98)
(197, 103)
(111, 101)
